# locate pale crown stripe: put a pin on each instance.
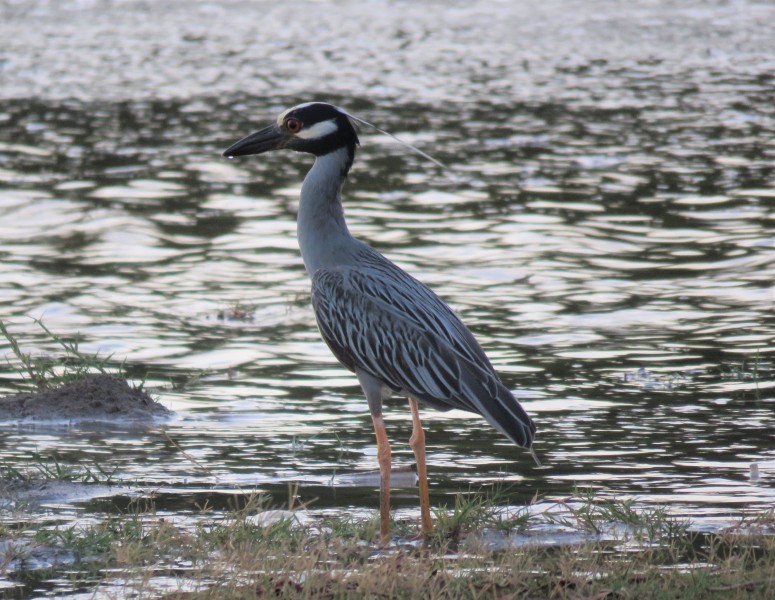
(284, 114)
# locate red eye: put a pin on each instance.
(293, 125)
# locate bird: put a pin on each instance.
(392, 331)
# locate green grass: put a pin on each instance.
(227, 555)
(45, 372)
(51, 467)
(586, 512)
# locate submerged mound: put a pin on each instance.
(97, 397)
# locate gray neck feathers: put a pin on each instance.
(322, 232)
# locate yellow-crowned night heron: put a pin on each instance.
(392, 331)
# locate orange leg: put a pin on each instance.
(383, 458)
(417, 444)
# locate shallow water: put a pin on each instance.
(607, 231)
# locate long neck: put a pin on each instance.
(321, 229)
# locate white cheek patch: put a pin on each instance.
(318, 130)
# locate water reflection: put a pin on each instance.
(613, 251)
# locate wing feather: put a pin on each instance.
(406, 337)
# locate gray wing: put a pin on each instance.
(397, 330)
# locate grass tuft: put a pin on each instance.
(46, 372)
(52, 468)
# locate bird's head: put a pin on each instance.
(315, 127)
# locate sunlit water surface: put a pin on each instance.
(606, 230)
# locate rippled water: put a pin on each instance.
(607, 231)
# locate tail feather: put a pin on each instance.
(500, 408)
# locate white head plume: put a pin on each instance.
(425, 155)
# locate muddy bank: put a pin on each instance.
(93, 398)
